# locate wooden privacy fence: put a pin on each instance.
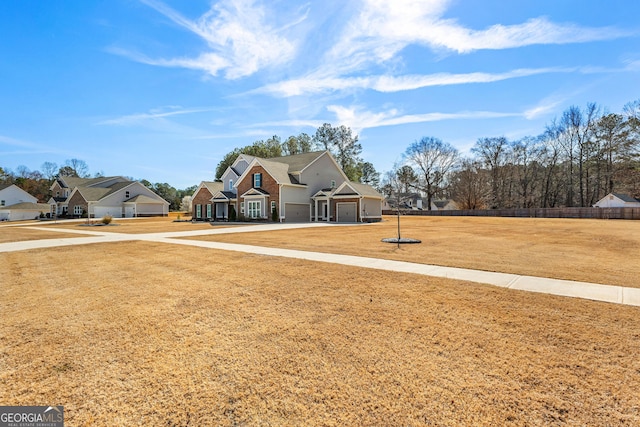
(592, 213)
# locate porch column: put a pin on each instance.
(328, 209)
(315, 201)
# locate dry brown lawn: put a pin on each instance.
(138, 226)
(138, 333)
(20, 234)
(597, 251)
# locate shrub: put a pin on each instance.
(232, 213)
(274, 215)
(106, 220)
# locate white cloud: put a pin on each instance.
(359, 120)
(239, 35)
(383, 28)
(154, 114)
(387, 83)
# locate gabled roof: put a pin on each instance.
(27, 206)
(72, 181)
(223, 195)
(365, 189)
(213, 186)
(441, 203)
(283, 169)
(278, 170)
(350, 188)
(93, 194)
(3, 186)
(298, 162)
(255, 192)
(626, 198)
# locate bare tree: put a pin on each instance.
(494, 153)
(75, 167)
(435, 159)
(577, 130)
(470, 185)
(49, 170)
(527, 155)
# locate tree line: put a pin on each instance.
(581, 156)
(38, 182)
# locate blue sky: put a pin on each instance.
(162, 90)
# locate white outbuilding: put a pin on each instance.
(617, 200)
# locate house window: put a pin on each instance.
(57, 194)
(254, 208)
(273, 206)
(2, 202)
(257, 180)
(77, 210)
(198, 211)
(242, 208)
(230, 184)
(333, 183)
(208, 211)
(126, 194)
(611, 197)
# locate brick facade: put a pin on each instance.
(202, 197)
(77, 200)
(268, 185)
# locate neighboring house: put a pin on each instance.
(16, 204)
(97, 197)
(617, 200)
(406, 201)
(443, 205)
(299, 188)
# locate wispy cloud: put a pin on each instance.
(387, 83)
(239, 35)
(359, 119)
(155, 114)
(384, 28)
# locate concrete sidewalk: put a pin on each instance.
(568, 288)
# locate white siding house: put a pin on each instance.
(617, 200)
(16, 204)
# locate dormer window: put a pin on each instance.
(257, 180)
(230, 184)
(333, 183)
(126, 194)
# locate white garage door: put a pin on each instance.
(346, 212)
(101, 211)
(295, 212)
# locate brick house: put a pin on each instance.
(298, 188)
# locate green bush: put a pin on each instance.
(232, 213)
(274, 215)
